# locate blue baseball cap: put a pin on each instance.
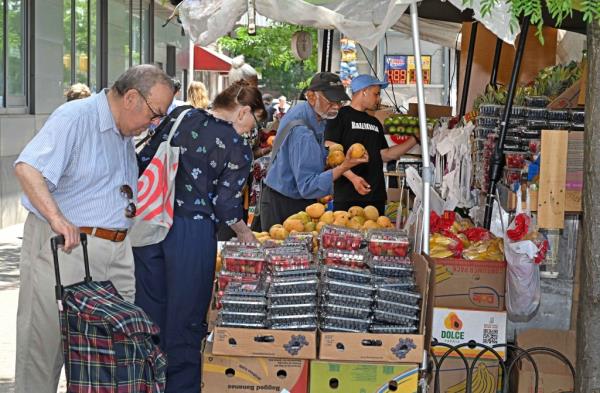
(365, 80)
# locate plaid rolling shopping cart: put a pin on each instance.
(107, 342)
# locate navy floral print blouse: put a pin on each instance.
(214, 163)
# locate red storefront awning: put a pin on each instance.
(208, 60)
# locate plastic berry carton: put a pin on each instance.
(405, 283)
(515, 160)
(243, 304)
(350, 259)
(294, 325)
(483, 132)
(559, 115)
(293, 309)
(341, 238)
(224, 278)
(518, 111)
(334, 323)
(252, 289)
(346, 287)
(392, 329)
(243, 260)
(537, 124)
(388, 242)
(534, 146)
(399, 319)
(289, 258)
(487, 122)
(298, 318)
(346, 311)
(537, 113)
(348, 274)
(276, 299)
(559, 125)
(537, 101)
(300, 238)
(398, 296)
(396, 308)
(242, 317)
(577, 116)
(531, 133)
(512, 176)
(241, 324)
(491, 110)
(293, 285)
(295, 272)
(329, 297)
(389, 270)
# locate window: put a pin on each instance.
(128, 35)
(12, 53)
(79, 45)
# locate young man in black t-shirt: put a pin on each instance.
(364, 184)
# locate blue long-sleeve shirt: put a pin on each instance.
(297, 171)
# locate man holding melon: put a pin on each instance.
(365, 184)
(296, 177)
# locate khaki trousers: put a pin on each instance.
(39, 349)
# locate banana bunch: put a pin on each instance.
(442, 273)
(487, 250)
(482, 382)
(441, 246)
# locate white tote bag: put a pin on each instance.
(156, 194)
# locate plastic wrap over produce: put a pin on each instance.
(498, 20)
(365, 21)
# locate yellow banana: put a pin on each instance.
(458, 388)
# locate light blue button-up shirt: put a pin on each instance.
(85, 160)
(298, 170)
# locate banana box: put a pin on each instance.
(346, 377)
(453, 377)
(478, 285)
(455, 327)
(225, 374)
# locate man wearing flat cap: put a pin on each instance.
(295, 177)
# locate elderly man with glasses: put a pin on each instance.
(296, 176)
(79, 174)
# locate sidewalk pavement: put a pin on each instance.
(10, 252)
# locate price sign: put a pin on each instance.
(395, 67)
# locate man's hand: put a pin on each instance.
(361, 186)
(350, 162)
(243, 232)
(62, 226)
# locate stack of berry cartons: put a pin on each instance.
(373, 305)
(266, 287)
(292, 295)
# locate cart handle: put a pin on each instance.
(55, 243)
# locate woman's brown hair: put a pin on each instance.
(242, 93)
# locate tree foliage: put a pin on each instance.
(269, 52)
(558, 9)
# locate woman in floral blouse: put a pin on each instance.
(174, 277)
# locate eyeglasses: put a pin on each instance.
(329, 103)
(256, 122)
(155, 115)
(127, 193)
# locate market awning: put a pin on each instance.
(206, 59)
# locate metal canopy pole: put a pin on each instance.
(327, 50)
(496, 63)
(469, 67)
(497, 161)
(427, 173)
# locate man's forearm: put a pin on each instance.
(349, 175)
(35, 187)
(395, 152)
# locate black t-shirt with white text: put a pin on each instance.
(350, 127)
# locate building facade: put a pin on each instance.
(45, 46)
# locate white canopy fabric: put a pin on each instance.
(365, 21)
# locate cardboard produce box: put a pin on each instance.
(224, 374)
(453, 326)
(554, 375)
(265, 343)
(453, 376)
(478, 285)
(381, 114)
(394, 348)
(343, 377)
(432, 111)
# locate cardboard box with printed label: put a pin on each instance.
(377, 347)
(554, 375)
(478, 285)
(454, 327)
(453, 376)
(344, 377)
(265, 343)
(225, 374)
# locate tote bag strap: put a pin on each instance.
(176, 125)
